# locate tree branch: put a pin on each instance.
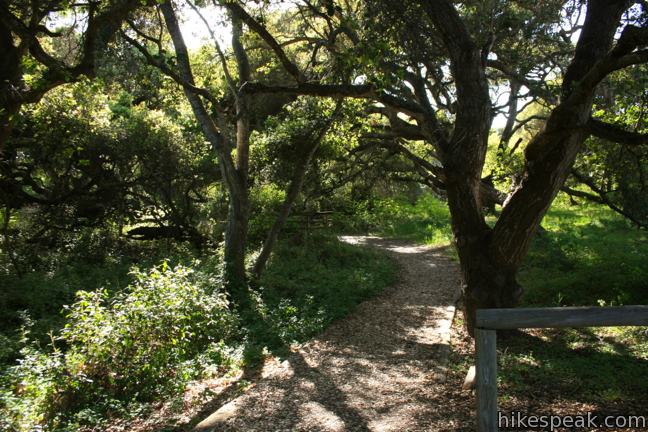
(153, 61)
(600, 198)
(259, 29)
(621, 56)
(603, 68)
(615, 133)
(454, 32)
(228, 76)
(205, 121)
(359, 91)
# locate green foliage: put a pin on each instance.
(288, 321)
(89, 259)
(170, 326)
(86, 157)
(165, 317)
(287, 137)
(588, 365)
(148, 340)
(426, 221)
(44, 293)
(588, 255)
(265, 200)
(618, 171)
(283, 144)
(94, 159)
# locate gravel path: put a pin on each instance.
(376, 370)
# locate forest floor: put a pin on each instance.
(397, 363)
(379, 369)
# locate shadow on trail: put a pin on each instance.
(323, 391)
(374, 370)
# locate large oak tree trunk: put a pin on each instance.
(485, 283)
(490, 258)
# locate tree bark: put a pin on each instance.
(507, 132)
(284, 211)
(484, 284)
(234, 173)
(490, 258)
(551, 154)
(239, 207)
(234, 275)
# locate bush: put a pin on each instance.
(147, 341)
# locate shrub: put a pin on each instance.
(136, 346)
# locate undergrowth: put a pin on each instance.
(118, 349)
(309, 285)
(588, 256)
(425, 221)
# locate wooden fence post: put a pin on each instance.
(488, 321)
(486, 348)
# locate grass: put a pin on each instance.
(588, 256)
(339, 275)
(426, 221)
(589, 366)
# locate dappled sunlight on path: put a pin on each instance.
(372, 371)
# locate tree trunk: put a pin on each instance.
(292, 193)
(291, 196)
(507, 133)
(234, 276)
(490, 258)
(486, 283)
(463, 160)
(235, 174)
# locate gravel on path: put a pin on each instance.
(379, 369)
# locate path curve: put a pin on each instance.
(375, 370)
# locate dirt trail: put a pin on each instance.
(376, 370)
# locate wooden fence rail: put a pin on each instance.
(490, 320)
